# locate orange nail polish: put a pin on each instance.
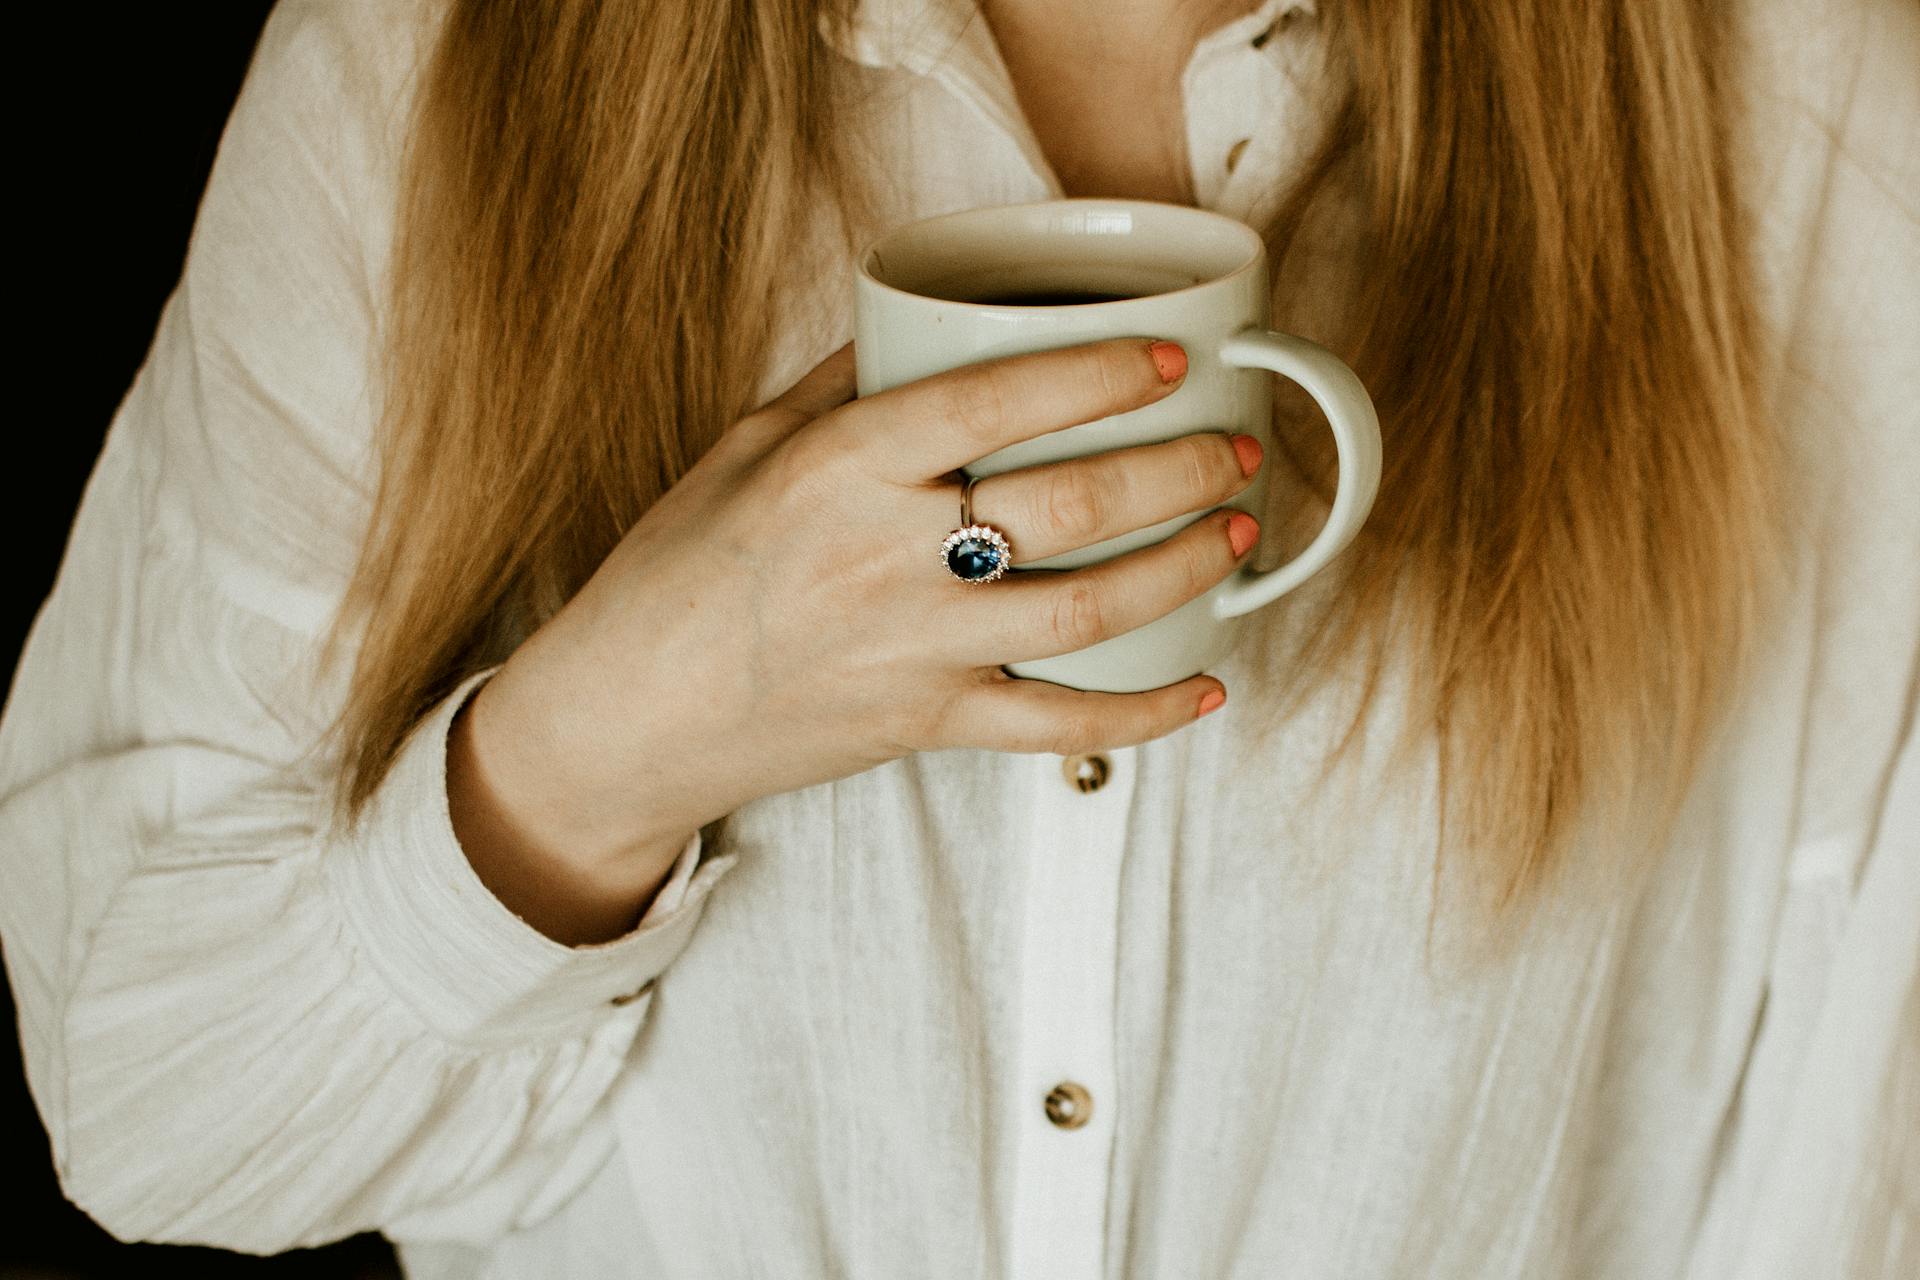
(1247, 449)
(1210, 701)
(1242, 532)
(1170, 359)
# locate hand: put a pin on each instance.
(779, 618)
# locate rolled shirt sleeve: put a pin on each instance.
(468, 967)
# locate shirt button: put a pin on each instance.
(1069, 1105)
(1086, 772)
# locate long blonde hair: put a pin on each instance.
(1557, 324)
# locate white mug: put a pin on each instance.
(923, 304)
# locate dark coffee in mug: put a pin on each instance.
(1048, 298)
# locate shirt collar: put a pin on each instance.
(919, 35)
(949, 41)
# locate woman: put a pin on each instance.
(452, 791)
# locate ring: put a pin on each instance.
(974, 552)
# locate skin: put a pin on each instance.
(1099, 82)
(698, 670)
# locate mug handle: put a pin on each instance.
(1356, 434)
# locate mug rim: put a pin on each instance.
(1256, 251)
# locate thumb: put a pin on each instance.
(825, 386)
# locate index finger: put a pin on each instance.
(926, 428)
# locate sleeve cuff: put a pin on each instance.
(467, 965)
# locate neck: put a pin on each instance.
(1144, 27)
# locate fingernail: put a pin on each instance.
(1210, 701)
(1247, 449)
(1242, 532)
(1170, 359)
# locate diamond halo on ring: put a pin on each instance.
(975, 552)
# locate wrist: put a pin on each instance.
(546, 853)
(573, 770)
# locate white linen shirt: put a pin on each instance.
(827, 1048)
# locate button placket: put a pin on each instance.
(1063, 1101)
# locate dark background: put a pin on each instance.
(127, 128)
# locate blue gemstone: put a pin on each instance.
(973, 558)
